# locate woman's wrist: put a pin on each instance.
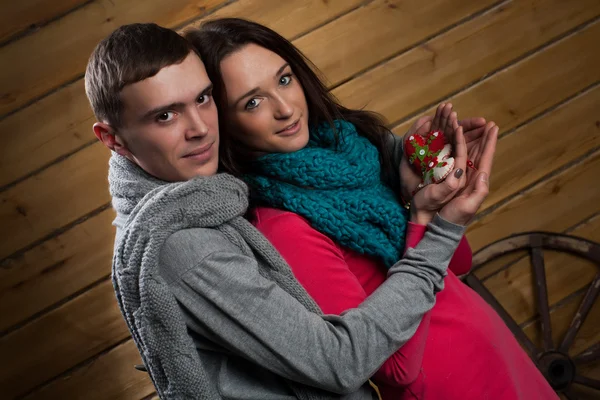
(420, 217)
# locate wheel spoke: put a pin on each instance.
(581, 315)
(589, 382)
(588, 355)
(477, 286)
(537, 259)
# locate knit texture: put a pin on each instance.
(336, 185)
(154, 210)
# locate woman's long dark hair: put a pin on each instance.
(217, 39)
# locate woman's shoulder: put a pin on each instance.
(277, 224)
(262, 217)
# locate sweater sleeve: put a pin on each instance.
(320, 267)
(238, 308)
(462, 260)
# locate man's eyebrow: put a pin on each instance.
(253, 91)
(177, 105)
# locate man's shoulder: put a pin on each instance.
(186, 248)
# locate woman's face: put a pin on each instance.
(266, 107)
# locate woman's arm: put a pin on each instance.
(238, 308)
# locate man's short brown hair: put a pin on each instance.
(130, 54)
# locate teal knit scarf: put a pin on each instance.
(337, 188)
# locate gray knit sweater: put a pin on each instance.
(216, 312)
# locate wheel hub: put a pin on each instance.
(558, 368)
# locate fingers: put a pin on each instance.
(460, 150)
(420, 127)
(486, 159)
(435, 124)
(445, 117)
(462, 209)
(438, 194)
(451, 123)
(480, 191)
(469, 124)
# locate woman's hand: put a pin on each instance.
(429, 200)
(444, 119)
(462, 208)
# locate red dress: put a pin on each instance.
(462, 350)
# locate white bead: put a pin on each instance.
(421, 152)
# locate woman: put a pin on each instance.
(322, 177)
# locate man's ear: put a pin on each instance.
(107, 135)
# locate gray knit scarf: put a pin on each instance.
(153, 210)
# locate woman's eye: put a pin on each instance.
(285, 80)
(165, 116)
(252, 103)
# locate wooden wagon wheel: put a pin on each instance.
(558, 367)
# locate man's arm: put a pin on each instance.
(255, 318)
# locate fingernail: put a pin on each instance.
(484, 177)
(458, 173)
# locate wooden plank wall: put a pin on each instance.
(530, 65)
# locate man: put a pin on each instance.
(212, 307)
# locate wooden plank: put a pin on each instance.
(565, 274)
(60, 339)
(61, 122)
(59, 52)
(44, 131)
(291, 18)
(545, 145)
(539, 81)
(56, 269)
(446, 63)
(495, 266)
(379, 30)
(57, 196)
(573, 125)
(552, 205)
(18, 16)
(110, 376)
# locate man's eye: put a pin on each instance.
(165, 116)
(205, 98)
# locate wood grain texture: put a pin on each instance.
(58, 53)
(56, 269)
(443, 65)
(62, 122)
(110, 376)
(378, 31)
(20, 16)
(60, 339)
(552, 205)
(57, 196)
(532, 85)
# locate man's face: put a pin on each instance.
(170, 123)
